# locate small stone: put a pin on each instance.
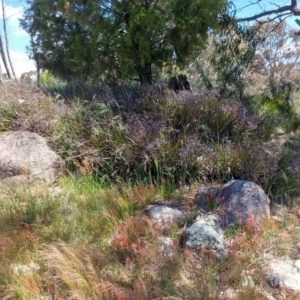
(163, 215)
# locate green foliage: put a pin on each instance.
(277, 57)
(212, 120)
(210, 139)
(91, 136)
(119, 38)
(276, 112)
(155, 139)
(235, 48)
(7, 115)
(47, 79)
(224, 62)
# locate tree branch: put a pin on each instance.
(292, 8)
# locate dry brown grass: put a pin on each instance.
(27, 108)
(126, 263)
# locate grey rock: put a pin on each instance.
(26, 156)
(164, 215)
(166, 246)
(297, 264)
(283, 273)
(241, 200)
(274, 281)
(207, 197)
(206, 232)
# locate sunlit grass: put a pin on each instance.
(87, 240)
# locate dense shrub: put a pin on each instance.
(161, 137)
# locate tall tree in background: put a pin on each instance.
(2, 50)
(277, 58)
(109, 38)
(235, 48)
(1, 79)
(3, 57)
(6, 40)
(279, 52)
(34, 50)
(223, 64)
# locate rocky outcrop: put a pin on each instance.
(25, 156)
(243, 201)
(238, 202)
(204, 233)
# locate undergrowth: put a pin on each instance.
(154, 136)
(84, 240)
(88, 237)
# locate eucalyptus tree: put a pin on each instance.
(277, 58)
(6, 39)
(4, 52)
(92, 39)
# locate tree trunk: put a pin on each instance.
(1, 79)
(2, 54)
(145, 74)
(6, 40)
(36, 57)
(272, 84)
(38, 73)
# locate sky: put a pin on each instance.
(19, 39)
(246, 8)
